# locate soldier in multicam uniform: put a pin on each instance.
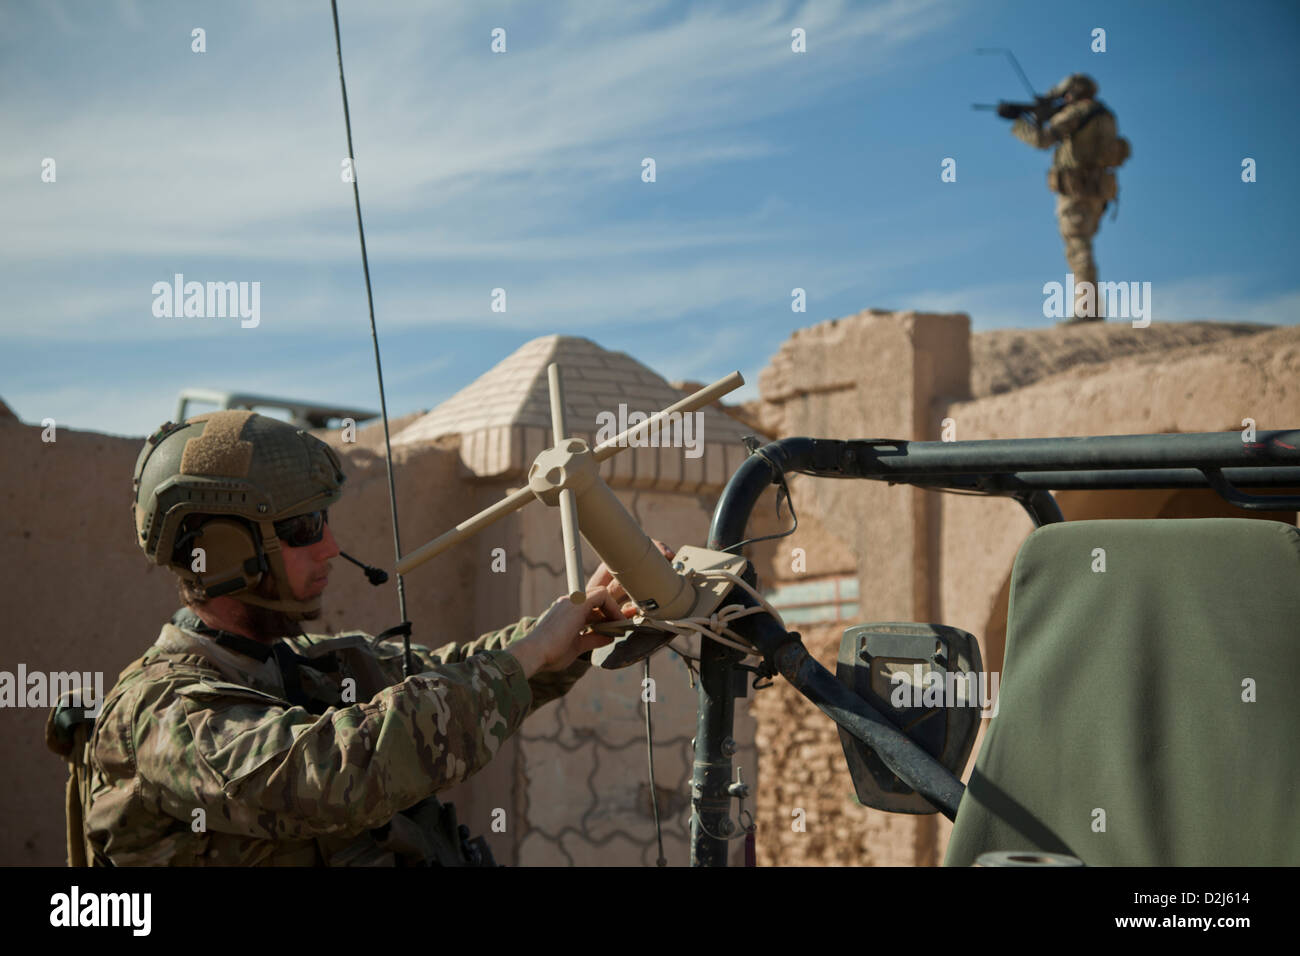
(1084, 134)
(239, 740)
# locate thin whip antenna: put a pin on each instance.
(1014, 63)
(374, 337)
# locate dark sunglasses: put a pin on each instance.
(302, 530)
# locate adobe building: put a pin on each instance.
(573, 784)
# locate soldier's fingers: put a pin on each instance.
(600, 605)
(600, 577)
(609, 607)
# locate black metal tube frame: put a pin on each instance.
(1027, 470)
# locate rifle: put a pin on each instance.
(1040, 109)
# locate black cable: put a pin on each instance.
(778, 478)
(650, 754)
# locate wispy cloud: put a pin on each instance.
(451, 140)
(991, 305)
(477, 170)
(1224, 298)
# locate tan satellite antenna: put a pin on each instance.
(567, 475)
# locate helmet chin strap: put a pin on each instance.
(286, 604)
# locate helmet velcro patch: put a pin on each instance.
(220, 450)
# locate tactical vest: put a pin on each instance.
(1094, 149)
(426, 834)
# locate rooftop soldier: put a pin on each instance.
(1088, 148)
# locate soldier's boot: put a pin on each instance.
(1079, 218)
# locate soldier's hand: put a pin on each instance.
(561, 634)
(604, 578)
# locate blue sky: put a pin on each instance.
(522, 171)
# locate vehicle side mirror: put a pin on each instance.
(927, 680)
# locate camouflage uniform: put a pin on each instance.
(213, 748)
(196, 725)
(1083, 188)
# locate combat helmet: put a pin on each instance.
(1080, 84)
(220, 482)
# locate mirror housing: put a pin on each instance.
(926, 679)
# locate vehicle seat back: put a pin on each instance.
(1148, 712)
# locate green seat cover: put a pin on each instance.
(1126, 691)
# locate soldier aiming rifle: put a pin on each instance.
(1088, 149)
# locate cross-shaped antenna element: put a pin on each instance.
(567, 475)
